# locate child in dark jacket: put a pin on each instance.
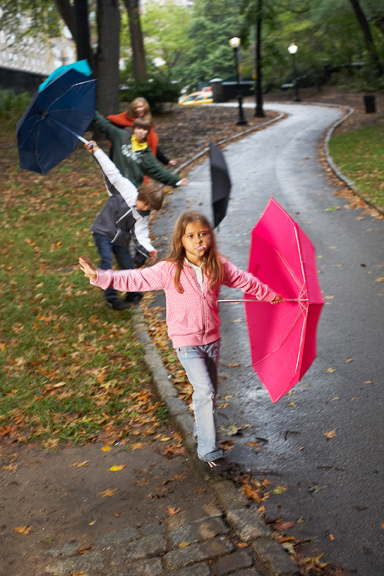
(124, 218)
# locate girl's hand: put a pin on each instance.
(184, 182)
(91, 146)
(172, 162)
(277, 299)
(153, 255)
(88, 268)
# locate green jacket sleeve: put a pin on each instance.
(111, 131)
(151, 167)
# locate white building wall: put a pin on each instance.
(35, 55)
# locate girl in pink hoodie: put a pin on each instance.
(191, 277)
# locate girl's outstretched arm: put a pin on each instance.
(88, 268)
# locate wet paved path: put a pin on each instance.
(335, 486)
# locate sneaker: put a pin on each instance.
(117, 304)
(133, 297)
(219, 466)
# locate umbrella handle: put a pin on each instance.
(247, 300)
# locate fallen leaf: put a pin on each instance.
(23, 529)
(117, 468)
(108, 492)
(233, 365)
(137, 446)
(92, 523)
(106, 448)
(254, 444)
(381, 279)
(330, 370)
(235, 321)
(79, 464)
(330, 434)
(83, 549)
(331, 536)
(242, 545)
(292, 404)
(172, 511)
(165, 439)
(184, 544)
(286, 525)
(349, 360)
(368, 382)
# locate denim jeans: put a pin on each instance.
(200, 364)
(106, 251)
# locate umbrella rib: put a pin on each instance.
(66, 92)
(283, 340)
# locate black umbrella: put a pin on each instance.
(221, 183)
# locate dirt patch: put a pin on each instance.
(71, 497)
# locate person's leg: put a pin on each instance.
(200, 364)
(124, 260)
(105, 250)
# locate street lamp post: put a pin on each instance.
(234, 43)
(292, 49)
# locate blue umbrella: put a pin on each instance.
(81, 66)
(51, 127)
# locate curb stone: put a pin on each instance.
(271, 558)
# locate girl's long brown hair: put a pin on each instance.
(213, 266)
(147, 111)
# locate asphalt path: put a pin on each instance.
(332, 489)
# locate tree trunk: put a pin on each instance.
(364, 24)
(107, 57)
(67, 13)
(137, 43)
(82, 38)
(259, 112)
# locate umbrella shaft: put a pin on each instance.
(247, 300)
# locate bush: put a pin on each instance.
(158, 91)
(12, 107)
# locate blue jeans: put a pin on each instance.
(106, 251)
(200, 364)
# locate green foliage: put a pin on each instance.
(158, 91)
(36, 17)
(12, 107)
(359, 155)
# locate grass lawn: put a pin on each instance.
(359, 155)
(70, 367)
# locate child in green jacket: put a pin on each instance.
(132, 155)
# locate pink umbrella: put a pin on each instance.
(283, 337)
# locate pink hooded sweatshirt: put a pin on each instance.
(193, 316)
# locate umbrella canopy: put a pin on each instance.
(81, 66)
(221, 183)
(283, 337)
(49, 130)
